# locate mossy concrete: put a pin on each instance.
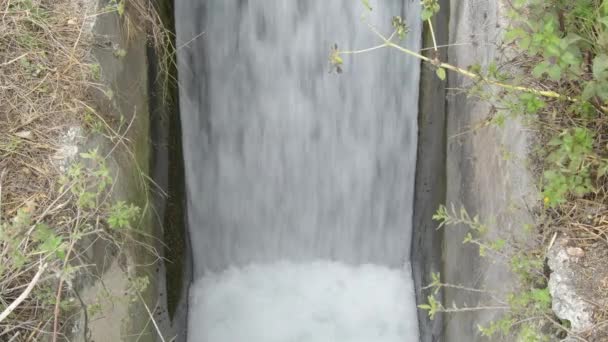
(430, 176)
(122, 318)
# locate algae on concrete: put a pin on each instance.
(126, 75)
(429, 191)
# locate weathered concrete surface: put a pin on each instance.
(121, 318)
(168, 173)
(479, 177)
(430, 185)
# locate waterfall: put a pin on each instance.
(293, 171)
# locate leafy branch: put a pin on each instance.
(430, 8)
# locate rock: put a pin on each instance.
(68, 150)
(568, 302)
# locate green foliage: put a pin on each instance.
(116, 5)
(429, 8)
(527, 268)
(451, 216)
(36, 12)
(529, 333)
(533, 302)
(599, 85)
(400, 26)
(122, 214)
(562, 46)
(501, 326)
(335, 60)
(530, 103)
(568, 172)
(120, 53)
(96, 71)
(87, 182)
(440, 73)
(137, 285)
(561, 55)
(433, 306)
(50, 243)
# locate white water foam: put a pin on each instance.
(311, 302)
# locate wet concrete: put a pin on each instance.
(430, 181)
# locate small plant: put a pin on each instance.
(48, 72)
(116, 5)
(570, 163)
(122, 214)
(120, 53)
(532, 299)
(96, 71)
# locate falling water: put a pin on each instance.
(296, 177)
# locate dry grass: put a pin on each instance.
(46, 77)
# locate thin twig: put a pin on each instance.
(1, 179)
(476, 308)
(445, 46)
(14, 59)
(471, 75)
(85, 332)
(354, 52)
(160, 335)
(24, 294)
(433, 34)
(190, 41)
(14, 338)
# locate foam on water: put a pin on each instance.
(310, 302)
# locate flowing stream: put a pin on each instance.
(299, 181)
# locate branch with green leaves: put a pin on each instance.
(429, 9)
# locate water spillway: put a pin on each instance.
(299, 181)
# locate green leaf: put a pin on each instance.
(542, 296)
(441, 73)
(571, 38)
(600, 64)
(515, 33)
(555, 72)
(540, 69)
(366, 4)
(120, 8)
(555, 141)
(427, 14)
(603, 169)
(120, 53)
(589, 91)
(602, 90)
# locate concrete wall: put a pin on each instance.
(122, 319)
(430, 176)
(479, 177)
